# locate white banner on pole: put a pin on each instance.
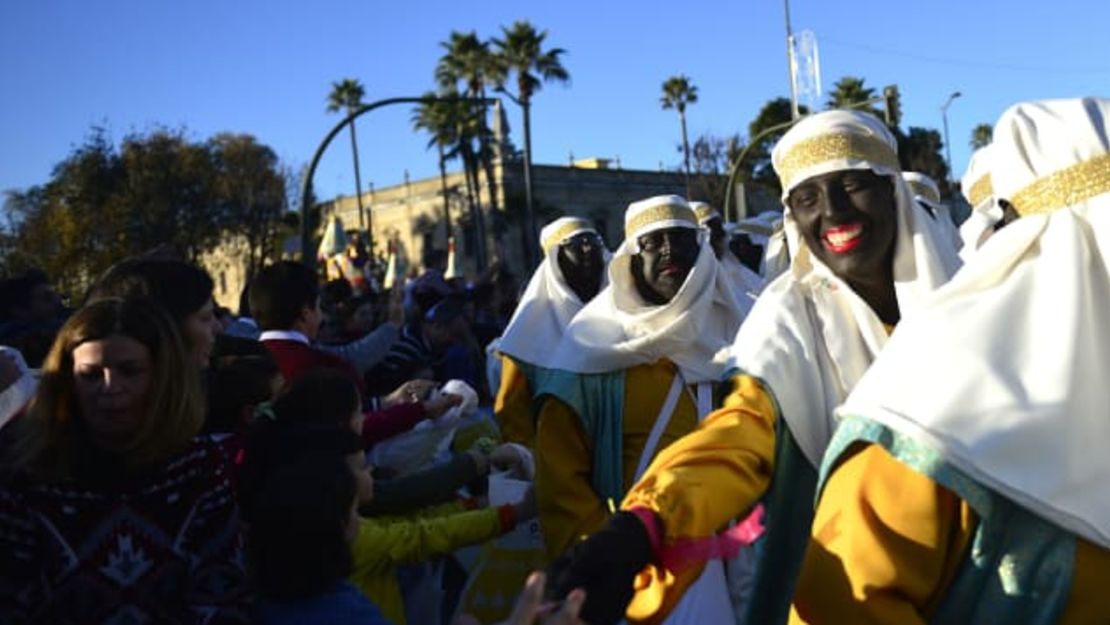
(806, 69)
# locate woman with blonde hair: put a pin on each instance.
(111, 507)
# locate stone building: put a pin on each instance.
(416, 213)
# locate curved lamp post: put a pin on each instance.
(307, 256)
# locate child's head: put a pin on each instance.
(236, 387)
(304, 518)
(318, 412)
(321, 397)
(285, 296)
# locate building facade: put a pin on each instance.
(417, 214)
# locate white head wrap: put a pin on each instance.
(704, 212)
(925, 190)
(743, 280)
(810, 337)
(766, 229)
(979, 191)
(618, 329)
(548, 304)
(1017, 346)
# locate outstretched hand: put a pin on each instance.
(436, 406)
(531, 606)
(605, 565)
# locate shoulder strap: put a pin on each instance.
(661, 423)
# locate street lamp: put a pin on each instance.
(947, 146)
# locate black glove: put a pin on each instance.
(605, 566)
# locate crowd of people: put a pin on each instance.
(855, 411)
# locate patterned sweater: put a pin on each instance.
(160, 546)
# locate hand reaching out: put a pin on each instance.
(436, 406)
(530, 606)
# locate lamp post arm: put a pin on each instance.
(735, 169)
(508, 94)
(308, 256)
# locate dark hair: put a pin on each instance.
(335, 293)
(241, 382)
(270, 444)
(228, 347)
(179, 287)
(16, 292)
(321, 397)
(434, 256)
(445, 311)
(297, 540)
(280, 292)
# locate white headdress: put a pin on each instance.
(548, 304)
(978, 189)
(1017, 346)
(925, 190)
(618, 329)
(810, 337)
(743, 280)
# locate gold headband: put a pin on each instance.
(663, 212)
(563, 232)
(924, 190)
(705, 212)
(760, 229)
(830, 147)
(980, 190)
(1065, 187)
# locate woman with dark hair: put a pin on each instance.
(110, 507)
(182, 289)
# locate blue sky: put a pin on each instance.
(265, 68)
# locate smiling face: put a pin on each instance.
(111, 379)
(847, 219)
(663, 262)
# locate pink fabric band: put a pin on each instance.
(687, 552)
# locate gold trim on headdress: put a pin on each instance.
(663, 212)
(830, 147)
(1064, 188)
(759, 229)
(923, 190)
(564, 231)
(980, 190)
(705, 212)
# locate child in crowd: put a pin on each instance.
(315, 407)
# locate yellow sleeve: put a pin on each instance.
(701, 482)
(886, 542)
(513, 405)
(568, 505)
(715, 473)
(385, 543)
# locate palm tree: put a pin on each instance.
(850, 93)
(678, 92)
(520, 51)
(467, 59)
(981, 135)
(347, 95)
(443, 119)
